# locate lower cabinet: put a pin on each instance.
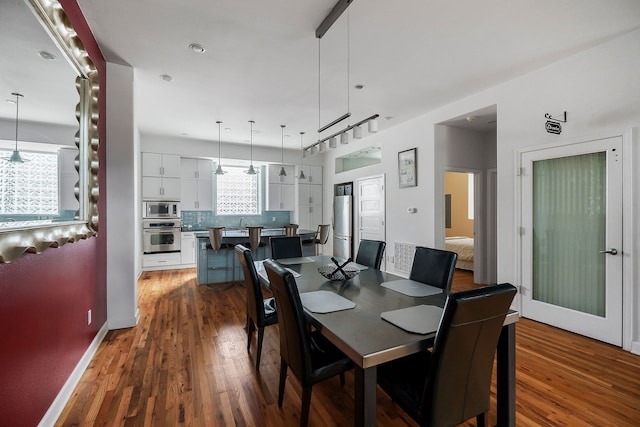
(217, 266)
(163, 261)
(188, 249)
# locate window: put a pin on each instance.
(237, 193)
(29, 188)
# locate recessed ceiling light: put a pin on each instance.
(471, 118)
(388, 118)
(227, 129)
(166, 77)
(198, 48)
(46, 55)
(11, 101)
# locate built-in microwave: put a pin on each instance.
(161, 209)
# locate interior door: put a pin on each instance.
(371, 210)
(572, 238)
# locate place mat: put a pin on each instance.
(325, 302)
(420, 319)
(357, 266)
(411, 288)
(290, 261)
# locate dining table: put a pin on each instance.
(359, 330)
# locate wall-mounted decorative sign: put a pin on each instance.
(553, 123)
(407, 170)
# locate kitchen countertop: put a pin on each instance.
(237, 232)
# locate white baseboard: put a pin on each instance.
(635, 347)
(56, 408)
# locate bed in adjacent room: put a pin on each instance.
(464, 247)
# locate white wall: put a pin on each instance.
(122, 222)
(598, 88)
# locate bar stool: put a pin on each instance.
(320, 238)
(291, 230)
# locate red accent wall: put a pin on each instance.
(44, 298)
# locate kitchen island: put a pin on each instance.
(222, 265)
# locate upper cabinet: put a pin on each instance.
(160, 165)
(160, 176)
(280, 189)
(313, 174)
(309, 197)
(196, 184)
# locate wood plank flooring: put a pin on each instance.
(186, 363)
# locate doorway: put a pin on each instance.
(572, 232)
(371, 211)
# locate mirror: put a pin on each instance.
(58, 114)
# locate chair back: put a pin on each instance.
(285, 247)
(291, 230)
(323, 233)
(370, 253)
(434, 267)
(459, 379)
(255, 304)
(295, 339)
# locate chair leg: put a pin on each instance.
(306, 403)
(283, 379)
(250, 328)
(259, 351)
(342, 379)
(481, 419)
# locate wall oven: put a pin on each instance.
(161, 209)
(161, 235)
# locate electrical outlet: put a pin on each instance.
(273, 218)
(89, 317)
(392, 259)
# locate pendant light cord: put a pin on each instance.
(17, 115)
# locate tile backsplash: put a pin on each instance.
(201, 220)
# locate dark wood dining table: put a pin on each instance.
(369, 340)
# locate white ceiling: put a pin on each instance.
(262, 58)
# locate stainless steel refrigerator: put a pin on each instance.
(342, 226)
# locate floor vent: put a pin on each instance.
(404, 256)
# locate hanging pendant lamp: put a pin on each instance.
(16, 157)
(282, 171)
(219, 170)
(301, 176)
(251, 170)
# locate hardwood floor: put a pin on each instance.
(186, 363)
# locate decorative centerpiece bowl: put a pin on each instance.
(336, 272)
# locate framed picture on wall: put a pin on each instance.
(407, 171)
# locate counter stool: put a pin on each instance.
(320, 238)
(291, 230)
(215, 238)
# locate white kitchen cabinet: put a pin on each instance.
(154, 188)
(162, 261)
(160, 165)
(313, 174)
(309, 197)
(196, 184)
(188, 249)
(280, 189)
(160, 176)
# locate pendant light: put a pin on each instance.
(251, 170)
(301, 176)
(282, 171)
(219, 170)
(16, 157)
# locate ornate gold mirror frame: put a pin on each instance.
(15, 242)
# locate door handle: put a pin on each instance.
(612, 251)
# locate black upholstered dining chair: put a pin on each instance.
(260, 312)
(285, 247)
(451, 383)
(370, 253)
(434, 267)
(309, 355)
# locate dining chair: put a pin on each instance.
(320, 238)
(434, 267)
(285, 247)
(451, 383)
(309, 355)
(370, 253)
(260, 312)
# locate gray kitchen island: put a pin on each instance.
(222, 265)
